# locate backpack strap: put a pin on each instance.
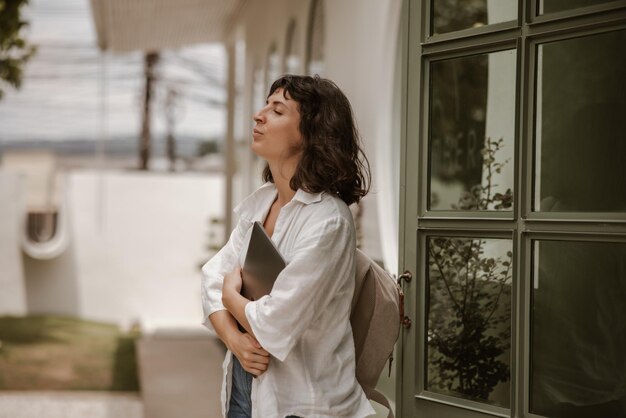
(378, 397)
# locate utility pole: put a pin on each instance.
(150, 61)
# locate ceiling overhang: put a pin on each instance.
(153, 25)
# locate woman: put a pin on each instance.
(297, 340)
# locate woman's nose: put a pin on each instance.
(258, 117)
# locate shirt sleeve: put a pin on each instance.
(214, 270)
(322, 263)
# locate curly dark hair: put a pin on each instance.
(332, 159)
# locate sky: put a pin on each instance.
(62, 92)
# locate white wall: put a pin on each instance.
(140, 257)
(361, 57)
(137, 241)
(12, 290)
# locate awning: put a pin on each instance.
(153, 25)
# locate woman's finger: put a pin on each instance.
(250, 358)
(256, 347)
(261, 352)
(260, 359)
(255, 372)
(256, 363)
(249, 369)
(256, 366)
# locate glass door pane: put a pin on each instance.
(551, 6)
(469, 318)
(580, 128)
(472, 132)
(578, 330)
(453, 15)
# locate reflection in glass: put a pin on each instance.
(469, 318)
(453, 15)
(551, 6)
(580, 131)
(578, 330)
(472, 132)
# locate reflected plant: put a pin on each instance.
(481, 196)
(469, 303)
(450, 15)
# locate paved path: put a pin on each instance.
(181, 375)
(31, 404)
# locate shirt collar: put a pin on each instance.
(306, 197)
(254, 206)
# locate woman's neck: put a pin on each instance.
(285, 192)
(282, 177)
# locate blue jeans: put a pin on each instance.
(240, 404)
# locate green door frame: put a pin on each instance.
(522, 225)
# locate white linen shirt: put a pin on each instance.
(304, 322)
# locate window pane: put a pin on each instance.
(578, 330)
(472, 132)
(551, 6)
(469, 318)
(580, 132)
(453, 15)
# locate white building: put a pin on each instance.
(112, 242)
(433, 85)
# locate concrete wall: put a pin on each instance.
(362, 38)
(12, 289)
(140, 238)
(137, 241)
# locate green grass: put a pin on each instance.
(62, 353)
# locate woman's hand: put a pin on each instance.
(245, 347)
(253, 358)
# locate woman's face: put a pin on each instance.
(276, 134)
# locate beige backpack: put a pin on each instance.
(375, 319)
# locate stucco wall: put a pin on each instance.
(140, 238)
(137, 241)
(12, 290)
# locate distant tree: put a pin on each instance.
(210, 146)
(14, 49)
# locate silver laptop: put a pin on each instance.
(261, 263)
